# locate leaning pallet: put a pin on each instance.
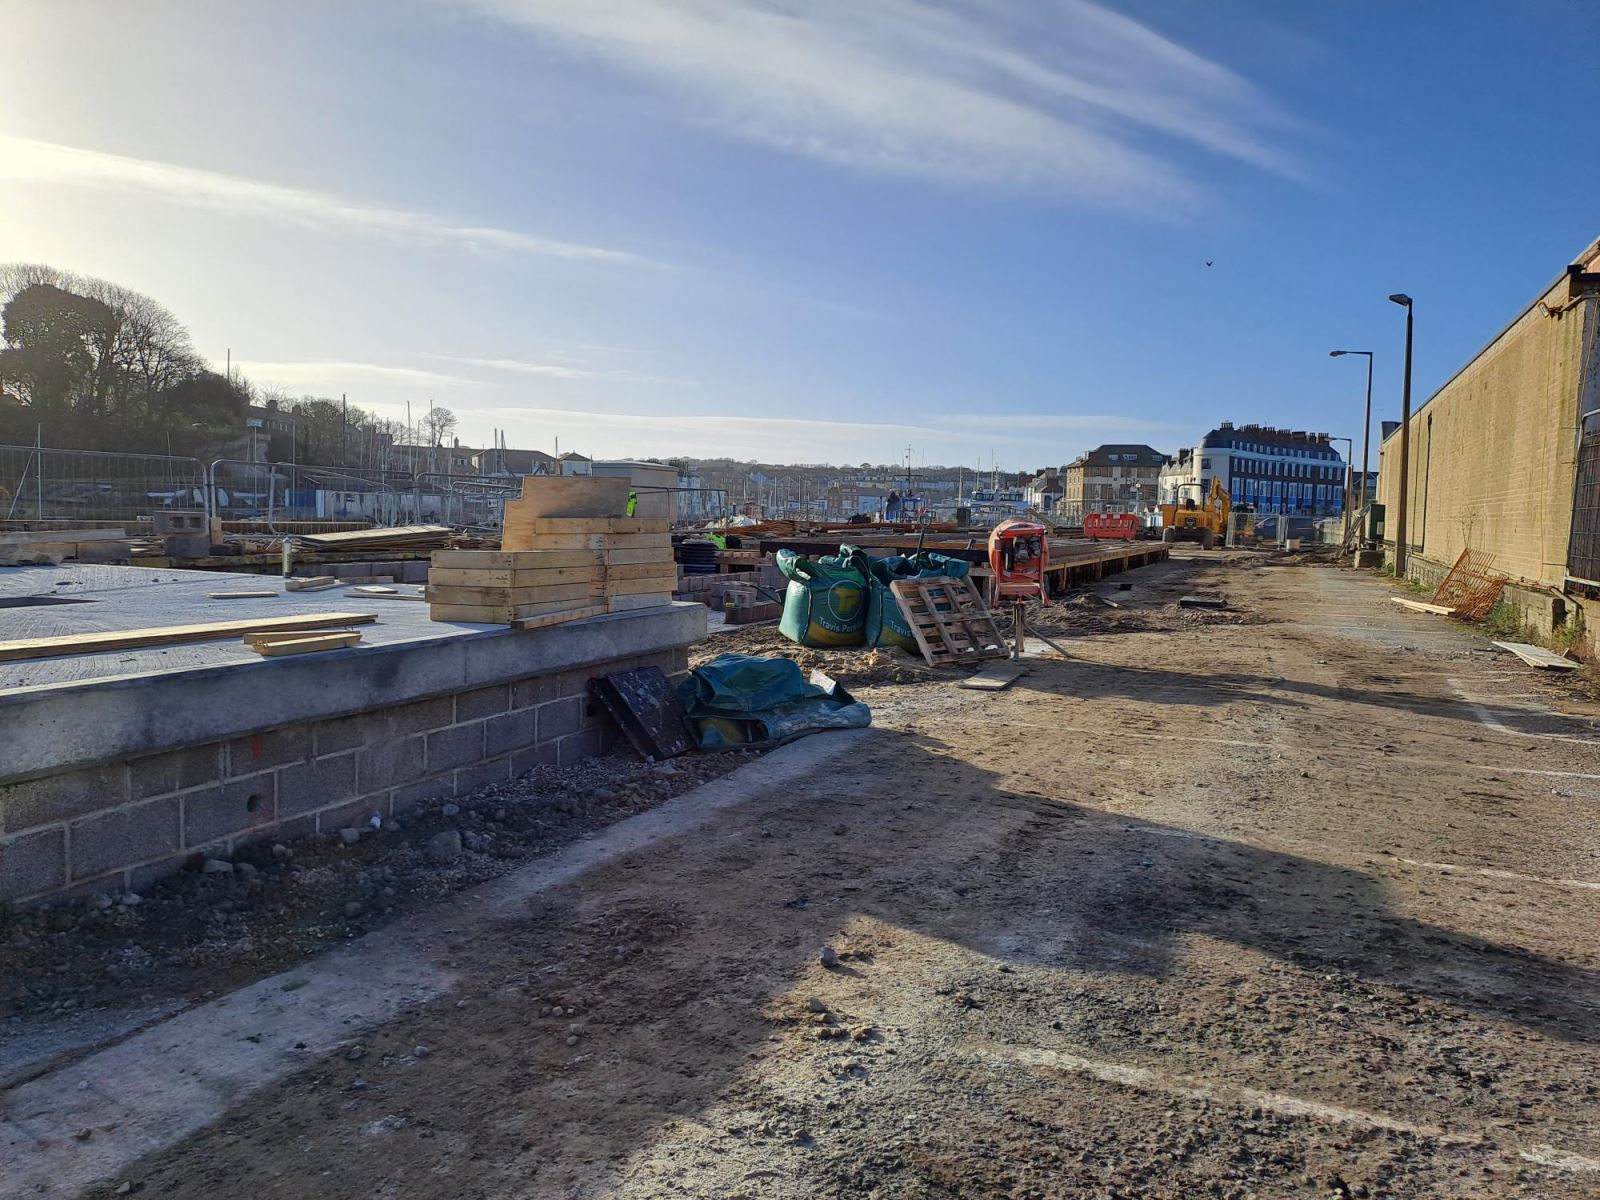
(949, 619)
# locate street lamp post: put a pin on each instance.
(1404, 302)
(1366, 425)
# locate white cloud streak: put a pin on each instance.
(1061, 94)
(328, 373)
(520, 367)
(26, 160)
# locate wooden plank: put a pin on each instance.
(307, 645)
(513, 560)
(571, 496)
(560, 618)
(365, 580)
(241, 595)
(631, 603)
(421, 536)
(595, 541)
(383, 593)
(504, 614)
(995, 677)
(261, 637)
(313, 584)
(626, 555)
(65, 537)
(508, 577)
(633, 587)
(523, 595)
(1419, 606)
(1538, 656)
(660, 569)
(167, 635)
(619, 526)
(911, 607)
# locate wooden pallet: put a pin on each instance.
(949, 620)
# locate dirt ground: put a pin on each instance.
(1296, 899)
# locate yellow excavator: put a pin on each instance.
(1190, 521)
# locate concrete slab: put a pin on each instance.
(82, 709)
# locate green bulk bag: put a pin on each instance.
(886, 625)
(826, 603)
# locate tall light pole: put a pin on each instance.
(1366, 424)
(1404, 301)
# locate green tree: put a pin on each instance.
(56, 357)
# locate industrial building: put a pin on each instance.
(1505, 457)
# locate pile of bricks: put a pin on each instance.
(712, 590)
(748, 607)
(576, 567)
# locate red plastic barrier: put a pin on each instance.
(1114, 526)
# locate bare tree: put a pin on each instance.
(439, 423)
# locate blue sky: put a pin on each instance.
(813, 230)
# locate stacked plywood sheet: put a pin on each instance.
(576, 567)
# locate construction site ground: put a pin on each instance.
(1297, 898)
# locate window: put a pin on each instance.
(1205, 464)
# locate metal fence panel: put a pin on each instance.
(41, 483)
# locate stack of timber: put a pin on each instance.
(585, 566)
(565, 554)
(399, 537)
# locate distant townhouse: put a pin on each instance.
(1044, 491)
(500, 460)
(1272, 470)
(1114, 478)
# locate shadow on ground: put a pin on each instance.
(688, 964)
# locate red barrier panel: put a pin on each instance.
(1114, 526)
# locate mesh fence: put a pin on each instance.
(45, 484)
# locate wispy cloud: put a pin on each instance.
(25, 160)
(328, 373)
(1057, 93)
(565, 366)
(519, 366)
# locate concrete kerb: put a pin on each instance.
(164, 1083)
(53, 727)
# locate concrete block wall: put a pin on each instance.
(118, 826)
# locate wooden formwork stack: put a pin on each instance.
(558, 562)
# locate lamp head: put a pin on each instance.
(1337, 353)
(1401, 299)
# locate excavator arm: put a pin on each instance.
(1219, 501)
